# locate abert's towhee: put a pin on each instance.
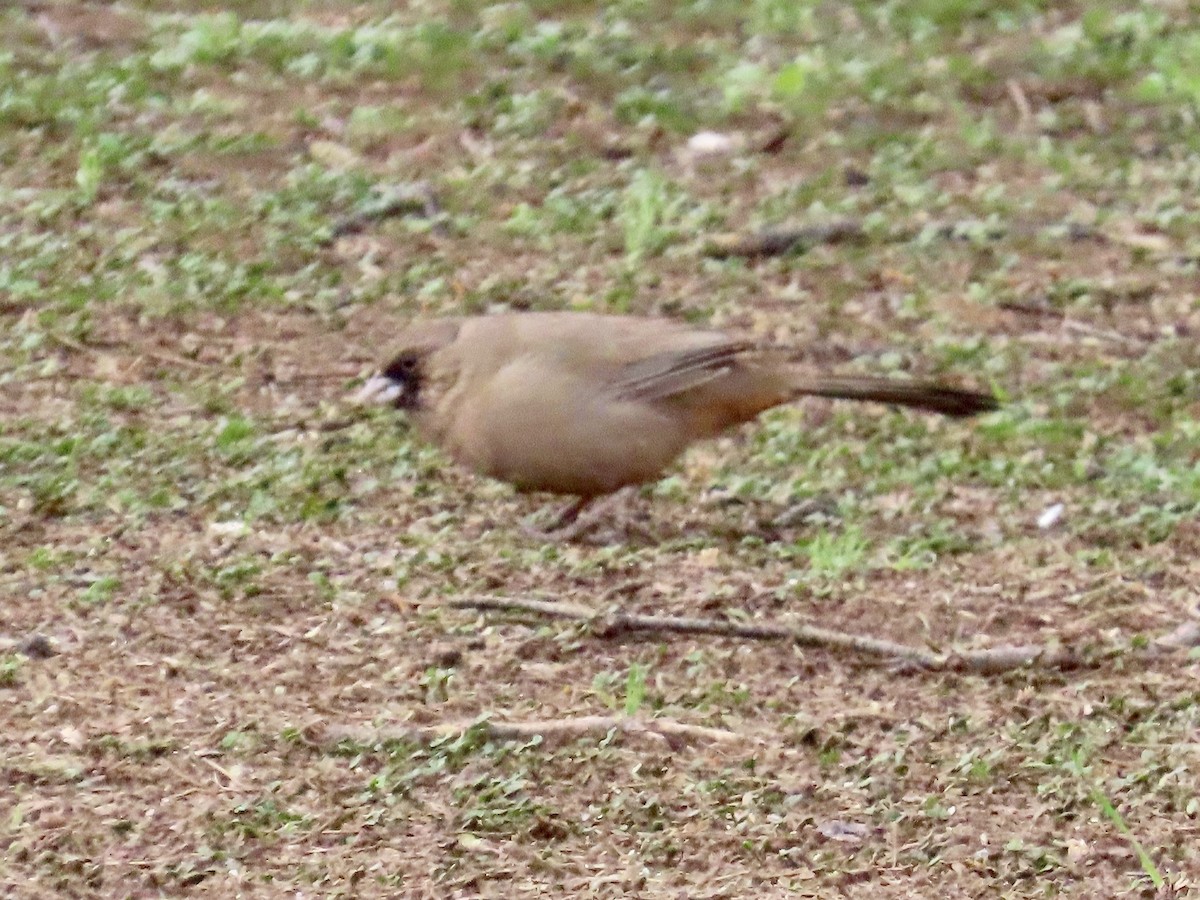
(584, 404)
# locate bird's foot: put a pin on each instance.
(572, 523)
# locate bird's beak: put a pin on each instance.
(378, 390)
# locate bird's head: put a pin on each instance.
(399, 384)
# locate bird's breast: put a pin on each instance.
(541, 428)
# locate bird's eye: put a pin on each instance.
(405, 369)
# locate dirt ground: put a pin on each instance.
(252, 640)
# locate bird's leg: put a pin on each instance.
(569, 514)
(566, 525)
(570, 523)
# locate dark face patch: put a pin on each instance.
(405, 372)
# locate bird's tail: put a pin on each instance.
(927, 395)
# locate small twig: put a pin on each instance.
(319, 375)
(161, 355)
(1031, 309)
(405, 199)
(1104, 334)
(70, 343)
(987, 661)
(666, 731)
(232, 780)
(1017, 94)
(777, 241)
(812, 507)
(174, 359)
(1072, 326)
(323, 427)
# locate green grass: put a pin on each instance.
(1144, 859)
(227, 559)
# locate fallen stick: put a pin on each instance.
(799, 239)
(985, 661)
(667, 732)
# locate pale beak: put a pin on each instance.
(377, 390)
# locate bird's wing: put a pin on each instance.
(673, 372)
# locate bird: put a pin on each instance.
(584, 404)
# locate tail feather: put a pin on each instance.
(927, 395)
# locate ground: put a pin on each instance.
(235, 655)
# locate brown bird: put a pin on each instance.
(584, 404)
